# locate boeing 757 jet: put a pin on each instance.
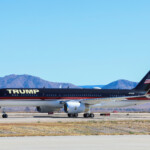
(75, 101)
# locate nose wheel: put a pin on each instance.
(4, 116)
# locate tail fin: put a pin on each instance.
(144, 84)
(148, 92)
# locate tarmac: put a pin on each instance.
(102, 142)
(43, 117)
(123, 142)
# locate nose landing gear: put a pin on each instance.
(4, 115)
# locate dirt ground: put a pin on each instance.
(127, 127)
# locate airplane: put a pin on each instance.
(75, 101)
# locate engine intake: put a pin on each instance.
(74, 107)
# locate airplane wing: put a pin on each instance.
(141, 99)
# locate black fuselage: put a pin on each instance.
(44, 93)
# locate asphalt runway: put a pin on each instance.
(123, 142)
(40, 117)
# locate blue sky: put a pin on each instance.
(78, 41)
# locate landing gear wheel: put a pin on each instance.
(69, 115)
(4, 116)
(86, 115)
(92, 115)
(75, 115)
(72, 115)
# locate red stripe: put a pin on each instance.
(147, 81)
(139, 98)
(45, 98)
(63, 98)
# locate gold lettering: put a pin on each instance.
(35, 91)
(22, 91)
(29, 91)
(15, 91)
(9, 90)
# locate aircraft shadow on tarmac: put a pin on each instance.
(53, 117)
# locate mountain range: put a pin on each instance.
(28, 81)
(119, 84)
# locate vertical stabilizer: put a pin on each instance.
(144, 84)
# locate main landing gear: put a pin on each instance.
(73, 115)
(88, 115)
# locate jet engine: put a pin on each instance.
(74, 107)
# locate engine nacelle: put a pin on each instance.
(74, 107)
(46, 109)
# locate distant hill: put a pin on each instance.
(91, 86)
(28, 81)
(120, 84)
